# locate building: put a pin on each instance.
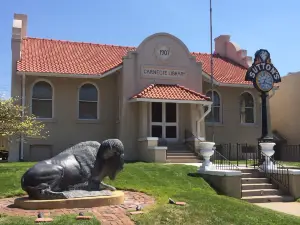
(284, 120)
(148, 96)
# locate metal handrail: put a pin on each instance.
(223, 163)
(276, 171)
(220, 161)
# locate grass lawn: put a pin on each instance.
(204, 206)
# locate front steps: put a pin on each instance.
(179, 153)
(258, 189)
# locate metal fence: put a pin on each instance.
(287, 153)
(244, 153)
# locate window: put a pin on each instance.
(247, 108)
(42, 94)
(88, 102)
(215, 114)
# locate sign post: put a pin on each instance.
(263, 75)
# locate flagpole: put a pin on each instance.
(212, 70)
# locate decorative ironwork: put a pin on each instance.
(275, 171)
(188, 135)
(222, 163)
(219, 160)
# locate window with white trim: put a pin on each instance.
(215, 114)
(246, 108)
(41, 100)
(88, 102)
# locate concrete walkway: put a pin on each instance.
(292, 208)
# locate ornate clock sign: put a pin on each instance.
(263, 75)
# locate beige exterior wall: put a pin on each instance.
(284, 111)
(230, 129)
(132, 82)
(65, 129)
(130, 121)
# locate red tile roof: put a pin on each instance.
(225, 70)
(65, 57)
(170, 92)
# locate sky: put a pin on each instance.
(268, 24)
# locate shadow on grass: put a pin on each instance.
(210, 184)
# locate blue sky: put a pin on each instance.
(255, 24)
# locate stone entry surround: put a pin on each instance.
(107, 215)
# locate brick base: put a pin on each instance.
(107, 215)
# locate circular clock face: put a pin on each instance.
(264, 81)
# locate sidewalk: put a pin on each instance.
(292, 208)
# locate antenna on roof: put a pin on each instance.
(212, 71)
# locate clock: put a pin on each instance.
(264, 81)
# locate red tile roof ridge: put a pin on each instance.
(148, 88)
(216, 55)
(194, 92)
(151, 86)
(77, 42)
(200, 53)
(229, 61)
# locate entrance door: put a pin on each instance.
(164, 120)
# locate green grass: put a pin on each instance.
(204, 205)
(10, 178)
(66, 220)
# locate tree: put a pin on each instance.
(14, 124)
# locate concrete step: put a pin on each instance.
(248, 170)
(247, 175)
(260, 192)
(253, 175)
(177, 147)
(269, 198)
(180, 160)
(254, 180)
(173, 153)
(182, 157)
(258, 186)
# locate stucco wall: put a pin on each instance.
(284, 110)
(65, 129)
(133, 81)
(230, 130)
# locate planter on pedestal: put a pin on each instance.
(207, 150)
(268, 149)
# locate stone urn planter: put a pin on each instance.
(268, 149)
(207, 149)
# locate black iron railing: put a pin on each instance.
(249, 155)
(275, 171)
(241, 154)
(221, 162)
(188, 135)
(287, 153)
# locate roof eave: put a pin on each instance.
(68, 75)
(204, 102)
(119, 67)
(207, 76)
